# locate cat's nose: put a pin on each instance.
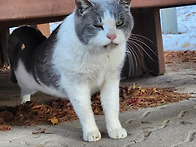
(111, 37)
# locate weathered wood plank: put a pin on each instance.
(27, 9)
(12, 10)
(160, 3)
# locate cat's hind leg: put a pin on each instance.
(25, 97)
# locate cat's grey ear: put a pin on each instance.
(125, 3)
(83, 5)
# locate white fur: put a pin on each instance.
(85, 69)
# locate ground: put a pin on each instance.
(45, 109)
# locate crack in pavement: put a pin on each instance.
(145, 114)
(164, 124)
(190, 138)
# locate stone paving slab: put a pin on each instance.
(172, 125)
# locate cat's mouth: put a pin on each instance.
(111, 45)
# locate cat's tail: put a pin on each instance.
(22, 38)
(14, 49)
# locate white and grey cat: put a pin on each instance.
(83, 55)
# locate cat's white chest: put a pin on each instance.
(89, 69)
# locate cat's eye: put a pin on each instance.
(119, 24)
(98, 26)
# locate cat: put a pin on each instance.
(85, 54)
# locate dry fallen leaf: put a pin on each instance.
(55, 112)
(155, 90)
(143, 90)
(188, 15)
(54, 120)
(185, 45)
(180, 56)
(5, 128)
(134, 86)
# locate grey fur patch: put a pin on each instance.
(84, 23)
(83, 5)
(43, 69)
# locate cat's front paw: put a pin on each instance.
(118, 133)
(92, 136)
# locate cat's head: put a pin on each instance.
(103, 23)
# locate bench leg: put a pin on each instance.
(4, 33)
(152, 30)
(147, 23)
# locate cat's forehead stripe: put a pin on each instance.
(108, 19)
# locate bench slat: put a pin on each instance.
(29, 9)
(12, 10)
(160, 3)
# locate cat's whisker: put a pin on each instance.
(135, 45)
(134, 52)
(135, 58)
(141, 41)
(130, 63)
(133, 41)
(143, 37)
(129, 53)
(134, 63)
(139, 60)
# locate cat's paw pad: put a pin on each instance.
(118, 133)
(92, 136)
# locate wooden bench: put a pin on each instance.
(145, 12)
